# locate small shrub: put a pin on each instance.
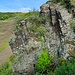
(36, 26)
(44, 61)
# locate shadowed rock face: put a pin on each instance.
(26, 47)
(73, 13)
(54, 17)
(44, 9)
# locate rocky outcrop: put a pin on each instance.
(30, 40)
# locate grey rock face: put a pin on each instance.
(44, 9)
(26, 47)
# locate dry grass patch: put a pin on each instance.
(4, 45)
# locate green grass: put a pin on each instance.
(5, 16)
(6, 68)
(4, 45)
(22, 16)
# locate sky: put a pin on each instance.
(20, 5)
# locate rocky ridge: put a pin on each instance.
(29, 43)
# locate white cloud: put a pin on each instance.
(25, 9)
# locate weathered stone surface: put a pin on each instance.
(27, 47)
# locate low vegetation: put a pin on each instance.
(46, 65)
(21, 16)
(6, 68)
(49, 66)
(44, 61)
(5, 16)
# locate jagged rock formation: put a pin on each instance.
(66, 29)
(30, 40)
